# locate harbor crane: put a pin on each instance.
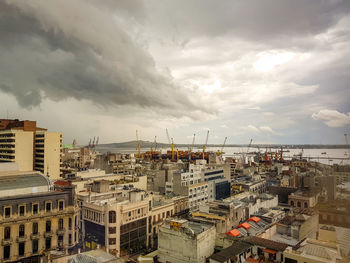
(138, 144)
(347, 144)
(222, 147)
(205, 145)
(155, 143)
(249, 145)
(171, 142)
(194, 137)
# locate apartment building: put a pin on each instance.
(36, 217)
(201, 184)
(125, 220)
(117, 221)
(17, 146)
(48, 152)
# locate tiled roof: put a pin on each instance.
(235, 249)
(266, 243)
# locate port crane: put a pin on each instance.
(191, 147)
(205, 145)
(171, 142)
(138, 144)
(347, 145)
(222, 147)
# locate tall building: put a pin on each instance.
(35, 216)
(48, 151)
(31, 147)
(17, 146)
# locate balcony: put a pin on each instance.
(5, 242)
(48, 234)
(21, 238)
(61, 231)
(34, 236)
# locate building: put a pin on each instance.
(250, 249)
(117, 221)
(201, 184)
(224, 215)
(33, 148)
(35, 217)
(297, 225)
(335, 212)
(181, 241)
(253, 202)
(17, 146)
(163, 208)
(48, 151)
(303, 199)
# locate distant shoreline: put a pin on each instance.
(146, 144)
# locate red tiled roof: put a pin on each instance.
(254, 219)
(245, 225)
(233, 232)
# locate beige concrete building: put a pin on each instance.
(48, 151)
(181, 241)
(17, 146)
(117, 221)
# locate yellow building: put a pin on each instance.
(48, 151)
(17, 146)
(35, 219)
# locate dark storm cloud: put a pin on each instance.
(263, 20)
(59, 50)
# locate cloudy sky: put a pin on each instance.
(274, 71)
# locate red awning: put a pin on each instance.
(254, 219)
(233, 232)
(270, 251)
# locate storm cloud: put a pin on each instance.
(263, 69)
(49, 50)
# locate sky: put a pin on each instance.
(271, 71)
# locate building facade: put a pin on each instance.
(48, 153)
(36, 217)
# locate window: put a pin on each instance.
(291, 203)
(35, 209)
(305, 205)
(112, 217)
(48, 226)
(21, 249)
(60, 205)
(60, 224)
(70, 223)
(7, 212)
(21, 210)
(35, 228)
(7, 232)
(21, 230)
(112, 241)
(299, 204)
(48, 207)
(48, 243)
(138, 211)
(7, 250)
(70, 239)
(112, 230)
(35, 246)
(129, 214)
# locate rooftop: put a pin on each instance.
(31, 181)
(267, 243)
(228, 253)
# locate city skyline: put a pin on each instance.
(274, 72)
